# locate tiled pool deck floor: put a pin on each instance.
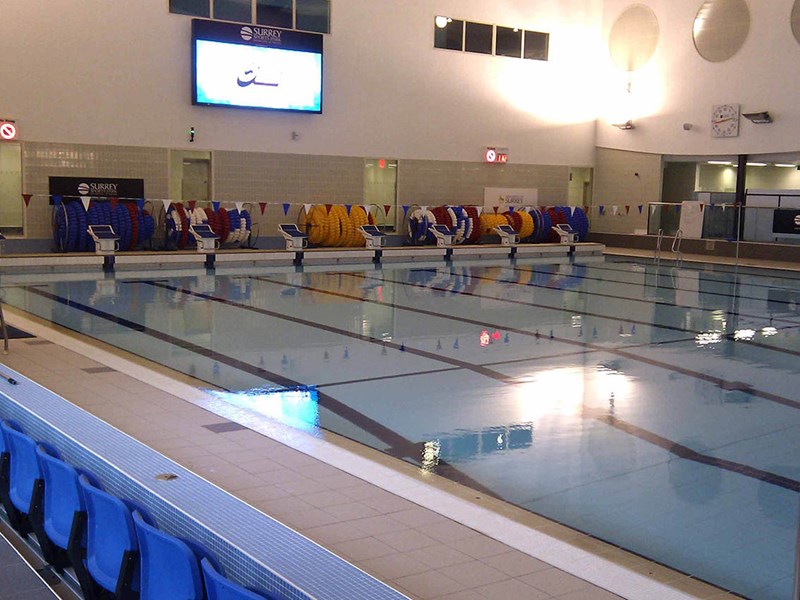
(349, 510)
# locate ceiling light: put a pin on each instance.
(759, 118)
(725, 163)
(441, 22)
(786, 165)
(756, 164)
(625, 126)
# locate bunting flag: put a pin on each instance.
(653, 208)
(724, 206)
(140, 203)
(85, 200)
(367, 208)
(307, 207)
(405, 210)
(387, 208)
(214, 205)
(627, 209)
(286, 206)
(586, 209)
(57, 200)
(479, 209)
(572, 211)
(614, 210)
(26, 198)
(424, 209)
(702, 206)
(640, 208)
(168, 202)
(347, 207)
(114, 202)
(239, 206)
(677, 208)
(602, 209)
(328, 207)
(495, 209)
(191, 204)
(511, 210)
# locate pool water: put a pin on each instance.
(654, 407)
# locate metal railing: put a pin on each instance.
(676, 247)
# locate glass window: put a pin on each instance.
(478, 38)
(196, 8)
(536, 45)
(277, 13)
(448, 33)
(233, 10)
(509, 42)
(313, 15)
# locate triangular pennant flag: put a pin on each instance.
(424, 208)
(640, 208)
(214, 205)
(57, 200)
(677, 208)
(328, 207)
(602, 209)
(140, 203)
(614, 209)
(26, 198)
(405, 210)
(653, 208)
(85, 200)
(191, 204)
(572, 210)
(495, 209)
(348, 207)
(480, 210)
(286, 206)
(511, 210)
(367, 208)
(724, 206)
(167, 203)
(239, 206)
(307, 207)
(627, 208)
(387, 208)
(114, 202)
(702, 206)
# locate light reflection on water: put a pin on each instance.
(297, 407)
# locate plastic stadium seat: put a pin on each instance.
(5, 460)
(112, 550)
(219, 587)
(23, 477)
(64, 518)
(169, 568)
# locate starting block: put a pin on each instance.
(207, 240)
(508, 237)
(374, 237)
(567, 234)
(295, 239)
(444, 237)
(105, 240)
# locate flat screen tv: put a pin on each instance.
(250, 66)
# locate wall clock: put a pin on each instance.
(725, 120)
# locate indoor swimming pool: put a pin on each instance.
(650, 406)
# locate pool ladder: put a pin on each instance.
(676, 247)
(5, 330)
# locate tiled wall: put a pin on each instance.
(623, 178)
(42, 160)
(253, 177)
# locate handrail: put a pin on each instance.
(657, 253)
(676, 247)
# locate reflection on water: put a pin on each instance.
(296, 407)
(470, 445)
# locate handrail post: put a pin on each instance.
(657, 253)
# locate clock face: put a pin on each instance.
(725, 120)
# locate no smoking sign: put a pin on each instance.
(8, 130)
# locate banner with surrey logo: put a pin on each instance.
(73, 188)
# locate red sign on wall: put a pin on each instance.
(8, 130)
(496, 155)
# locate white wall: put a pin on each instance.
(679, 86)
(110, 72)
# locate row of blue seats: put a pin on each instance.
(113, 545)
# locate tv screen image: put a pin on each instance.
(257, 77)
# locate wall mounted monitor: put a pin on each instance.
(251, 66)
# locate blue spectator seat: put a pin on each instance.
(169, 568)
(24, 480)
(5, 462)
(112, 550)
(219, 587)
(64, 520)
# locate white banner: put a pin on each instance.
(505, 197)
